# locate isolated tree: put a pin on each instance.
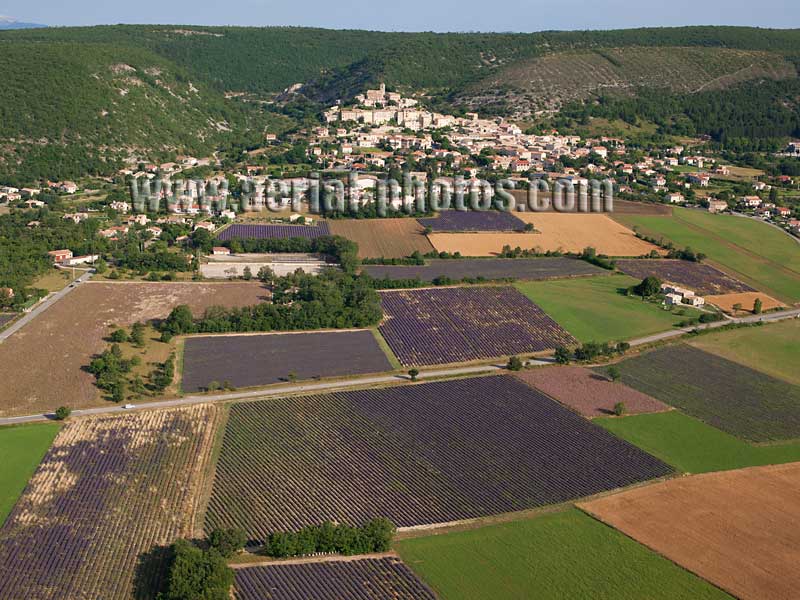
(623, 347)
(757, 306)
(118, 391)
(62, 412)
(619, 409)
(514, 364)
(265, 275)
(562, 356)
(247, 274)
(737, 307)
(613, 373)
(413, 374)
(119, 336)
(137, 334)
(649, 287)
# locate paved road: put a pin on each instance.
(377, 379)
(41, 307)
(275, 391)
(665, 335)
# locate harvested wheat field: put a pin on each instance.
(588, 393)
(554, 231)
(746, 299)
(383, 238)
(41, 366)
(738, 529)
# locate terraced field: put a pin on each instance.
(419, 454)
(450, 325)
(136, 474)
(362, 579)
(734, 398)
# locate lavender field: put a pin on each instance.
(239, 231)
(473, 220)
(421, 454)
(531, 269)
(253, 360)
(450, 325)
(136, 475)
(703, 279)
(362, 579)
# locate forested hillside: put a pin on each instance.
(79, 100)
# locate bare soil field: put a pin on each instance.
(137, 474)
(253, 360)
(726, 302)
(588, 393)
(41, 366)
(387, 238)
(738, 529)
(554, 231)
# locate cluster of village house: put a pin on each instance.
(353, 139)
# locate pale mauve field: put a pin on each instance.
(554, 231)
(41, 366)
(740, 530)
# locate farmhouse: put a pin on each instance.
(751, 201)
(60, 256)
(81, 260)
(676, 198)
(674, 295)
(220, 251)
(716, 206)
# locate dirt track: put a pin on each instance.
(738, 529)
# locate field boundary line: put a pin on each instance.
(267, 561)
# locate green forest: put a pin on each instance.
(77, 101)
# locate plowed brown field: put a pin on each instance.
(746, 299)
(589, 393)
(383, 238)
(738, 529)
(41, 366)
(554, 231)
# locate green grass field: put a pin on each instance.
(592, 309)
(694, 447)
(773, 349)
(22, 448)
(562, 555)
(759, 254)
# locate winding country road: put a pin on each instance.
(358, 382)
